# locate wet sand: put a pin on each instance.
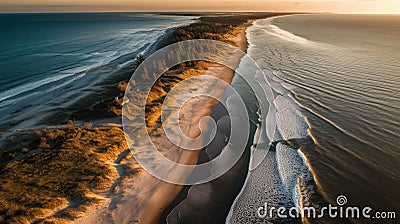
(210, 202)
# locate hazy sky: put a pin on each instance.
(341, 6)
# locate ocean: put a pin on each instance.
(336, 80)
(51, 60)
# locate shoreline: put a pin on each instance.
(86, 99)
(263, 182)
(170, 214)
(156, 195)
(129, 181)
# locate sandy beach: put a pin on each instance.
(143, 197)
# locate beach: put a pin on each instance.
(146, 200)
(129, 194)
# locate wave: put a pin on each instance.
(31, 86)
(292, 130)
(282, 178)
(97, 58)
(347, 95)
(73, 60)
(291, 166)
(267, 26)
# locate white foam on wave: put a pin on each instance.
(291, 164)
(96, 58)
(290, 168)
(273, 30)
(54, 54)
(282, 177)
(14, 101)
(31, 86)
(290, 122)
(277, 31)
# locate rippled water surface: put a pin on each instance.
(343, 72)
(49, 60)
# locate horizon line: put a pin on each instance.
(198, 12)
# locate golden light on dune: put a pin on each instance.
(339, 6)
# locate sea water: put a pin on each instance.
(50, 60)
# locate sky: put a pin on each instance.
(338, 6)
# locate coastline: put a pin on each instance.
(195, 194)
(145, 200)
(147, 207)
(268, 182)
(75, 166)
(128, 185)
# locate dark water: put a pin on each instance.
(343, 72)
(52, 58)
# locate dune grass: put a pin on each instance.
(62, 168)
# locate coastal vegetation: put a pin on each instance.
(221, 28)
(51, 175)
